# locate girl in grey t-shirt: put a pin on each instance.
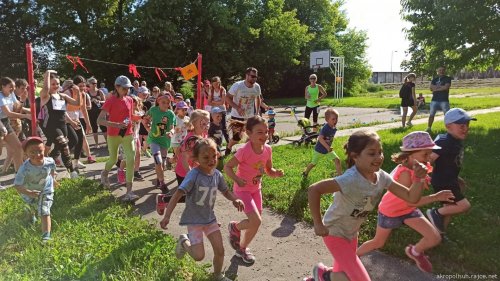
(200, 187)
(356, 194)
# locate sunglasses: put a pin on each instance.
(254, 76)
(312, 78)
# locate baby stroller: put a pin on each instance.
(308, 135)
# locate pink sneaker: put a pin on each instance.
(421, 260)
(160, 205)
(234, 235)
(91, 159)
(319, 271)
(121, 176)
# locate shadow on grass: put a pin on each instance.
(297, 208)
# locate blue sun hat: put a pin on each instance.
(271, 112)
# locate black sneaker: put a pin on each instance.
(138, 176)
(436, 219)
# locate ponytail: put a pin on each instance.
(410, 75)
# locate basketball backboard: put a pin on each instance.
(321, 58)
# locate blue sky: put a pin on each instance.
(384, 26)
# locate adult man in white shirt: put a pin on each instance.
(244, 97)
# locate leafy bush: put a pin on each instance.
(373, 88)
(187, 89)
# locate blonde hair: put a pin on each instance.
(401, 157)
(410, 75)
(329, 111)
(197, 115)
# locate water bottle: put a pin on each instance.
(124, 130)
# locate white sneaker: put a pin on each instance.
(180, 251)
(73, 175)
(81, 165)
(131, 196)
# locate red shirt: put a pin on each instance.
(118, 109)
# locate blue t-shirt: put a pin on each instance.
(201, 190)
(441, 95)
(271, 123)
(328, 133)
(448, 165)
(36, 177)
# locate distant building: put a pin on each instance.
(386, 77)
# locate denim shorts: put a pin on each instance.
(43, 202)
(439, 105)
(395, 222)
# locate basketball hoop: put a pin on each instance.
(316, 67)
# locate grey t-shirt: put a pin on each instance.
(355, 200)
(201, 190)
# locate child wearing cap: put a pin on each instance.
(271, 124)
(323, 148)
(159, 137)
(393, 211)
(35, 181)
(447, 164)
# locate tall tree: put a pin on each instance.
(459, 34)
(19, 24)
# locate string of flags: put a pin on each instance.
(189, 71)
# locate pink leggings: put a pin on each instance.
(345, 258)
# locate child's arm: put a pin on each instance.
(171, 206)
(71, 100)
(323, 142)
(272, 172)
(29, 192)
(229, 170)
(53, 174)
(101, 120)
(314, 196)
(236, 202)
(444, 195)
(184, 159)
(413, 194)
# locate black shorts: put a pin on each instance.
(455, 189)
(407, 102)
(6, 123)
(314, 111)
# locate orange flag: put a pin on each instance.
(189, 71)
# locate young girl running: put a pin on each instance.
(253, 160)
(393, 212)
(162, 122)
(116, 114)
(356, 194)
(197, 127)
(200, 187)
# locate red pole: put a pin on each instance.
(199, 99)
(31, 82)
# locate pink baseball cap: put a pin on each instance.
(417, 141)
(31, 140)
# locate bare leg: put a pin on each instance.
(377, 242)
(431, 236)
(215, 239)
(251, 226)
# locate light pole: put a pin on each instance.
(392, 55)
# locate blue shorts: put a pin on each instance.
(43, 202)
(444, 106)
(395, 222)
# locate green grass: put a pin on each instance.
(389, 99)
(474, 233)
(95, 237)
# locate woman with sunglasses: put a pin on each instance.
(314, 93)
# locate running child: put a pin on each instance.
(197, 127)
(356, 194)
(200, 188)
(253, 160)
(181, 125)
(393, 212)
(35, 181)
(216, 131)
(162, 122)
(323, 148)
(447, 164)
